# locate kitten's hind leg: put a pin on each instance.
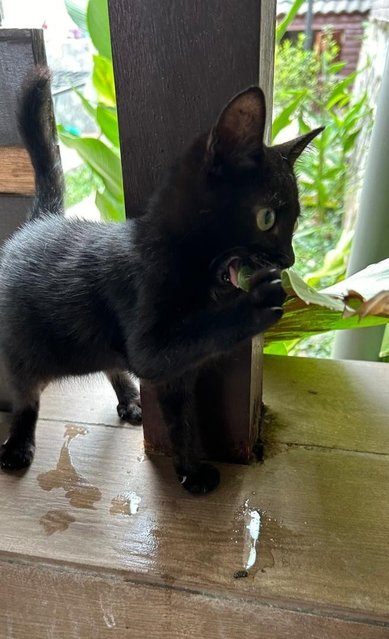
(177, 401)
(128, 408)
(18, 450)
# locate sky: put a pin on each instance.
(33, 13)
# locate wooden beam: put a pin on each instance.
(76, 558)
(185, 64)
(16, 171)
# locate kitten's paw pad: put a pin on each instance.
(130, 412)
(202, 481)
(16, 456)
(266, 289)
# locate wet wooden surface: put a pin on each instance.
(98, 540)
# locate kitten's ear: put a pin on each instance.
(292, 149)
(238, 134)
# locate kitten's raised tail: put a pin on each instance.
(37, 128)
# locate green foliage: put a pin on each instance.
(384, 354)
(334, 263)
(309, 92)
(310, 312)
(101, 155)
(77, 11)
(98, 26)
(80, 183)
(283, 26)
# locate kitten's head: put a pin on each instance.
(252, 195)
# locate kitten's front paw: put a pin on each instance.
(266, 290)
(16, 455)
(130, 412)
(201, 481)
(267, 296)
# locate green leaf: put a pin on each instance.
(349, 143)
(77, 11)
(310, 312)
(337, 92)
(108, 122)
(276, 348)
(99, 157)
(283, 119)
(371, 280)
(111, 209)
(280, 348)
(309, 295)
(98, 26)
(384, 353)
(103, 80)
(299, 323)
(336, 67)
(283, 26)
(88, 106)
(303, 126)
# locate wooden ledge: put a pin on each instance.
(75, 562)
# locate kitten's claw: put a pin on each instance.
(201, 481)
(266, 289)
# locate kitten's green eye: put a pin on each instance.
(266, 219)
(296, 225)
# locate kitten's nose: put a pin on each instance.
(285, 260)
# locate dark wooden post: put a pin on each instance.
(20, 49)
(176, 64)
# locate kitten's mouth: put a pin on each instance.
(228, 271)
(226, 267)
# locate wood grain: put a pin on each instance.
(13, 213)
(16, 172)
(266, 58)
(39, 602)
(186, 63)
(336, 404)
(229, 394)
(325, 520)
(20, 49)
(71, 560)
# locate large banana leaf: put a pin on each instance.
(359, 301)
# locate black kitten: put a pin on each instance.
(155, 297)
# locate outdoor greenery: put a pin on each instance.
(80, 183)
(308, 312)
(101, 154)
(311, 89)
(310, 92)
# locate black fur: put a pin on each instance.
(149, 297)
